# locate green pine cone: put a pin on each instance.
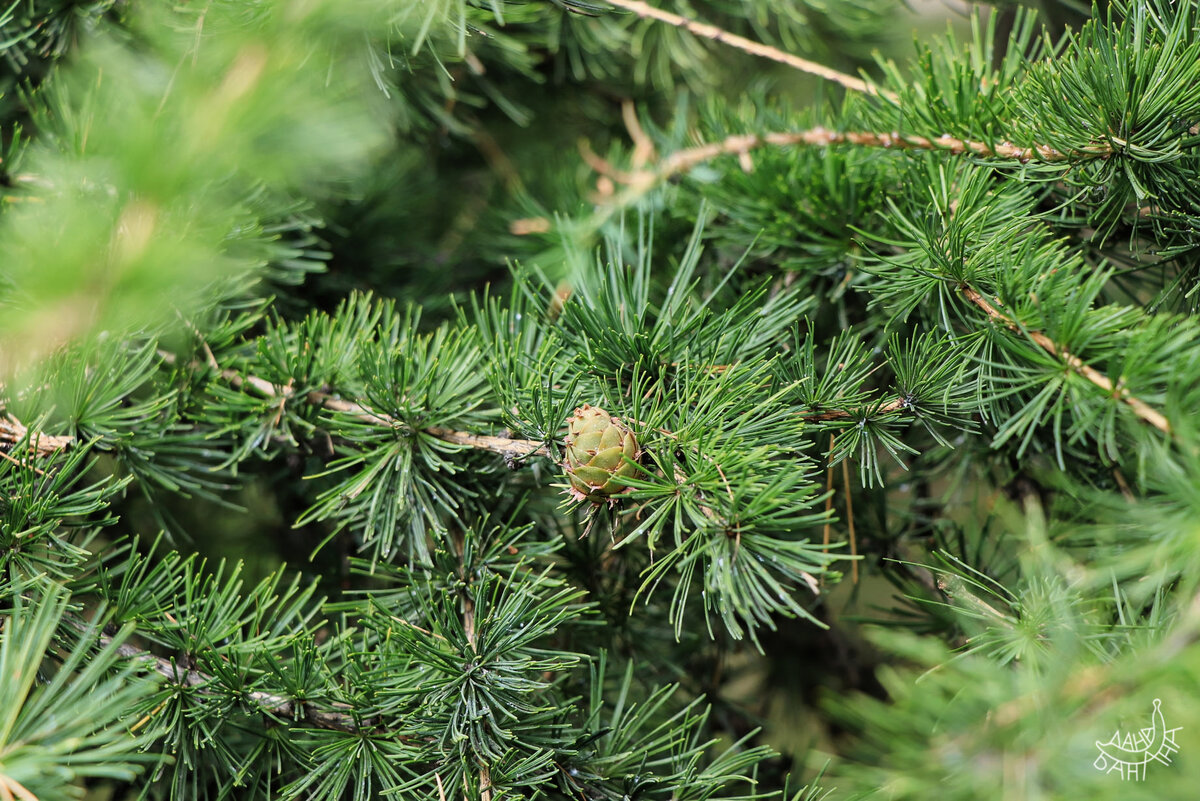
(596, 449)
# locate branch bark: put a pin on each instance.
(280, 705)
(715, 34)
(504, 446)
(844, 414)
(1140, 408)
(12, 432)
(640, 181)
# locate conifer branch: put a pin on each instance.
(468, 616)
(12, 431)
(741, 144)
(280, 705)
(1139, 407)
(639, 181)
(715, 34)
(504, 446)
(845, 414)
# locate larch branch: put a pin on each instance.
(820, 136)
(504, 446)
(721, 36)
(13, 432)
(337, 719)
(845, 414)
(640, 181)
(1140, 408)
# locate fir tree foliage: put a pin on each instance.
(936, 329)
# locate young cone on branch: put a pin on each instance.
(600, 452)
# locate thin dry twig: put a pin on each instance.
(850, 521)
(12, 432)
(19, 463)
(506, 447)
(821, 136)
(641, 180)
(1140, 408)
(468, 615)
(289, 708)
(843, 414)
(509, 448)
(643, 147)
(721, 36)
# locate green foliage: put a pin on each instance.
(902, 497)
(73, 721)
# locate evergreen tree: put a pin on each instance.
(598, 400)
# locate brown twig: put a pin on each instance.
(850, 521)
(843, 414)
(279, 705)
(642, 180)
(19, 463)
(11, 790)
(1118, 391)
(509, 448)
(12, 432)
(468, 615)
(506, 447)
(715, 34)
(643, 147)
(737, 144)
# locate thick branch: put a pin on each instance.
(713, 33)
(1139, 407)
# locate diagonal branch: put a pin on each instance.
(640, 181)
(715, 34)
(504, 446)
(337, 719)
(1139, 407)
